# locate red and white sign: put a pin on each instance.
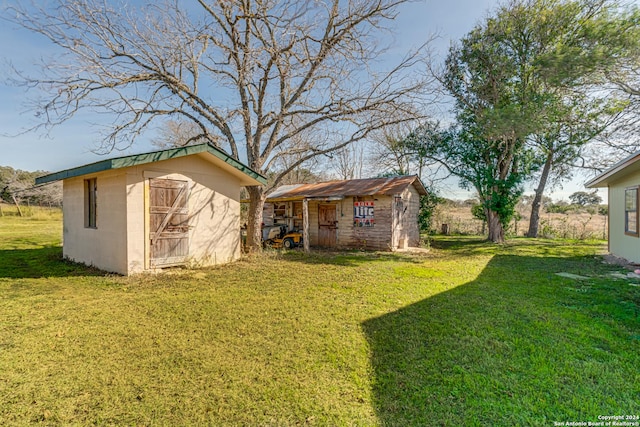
(363, 214)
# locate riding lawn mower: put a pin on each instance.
(277, 236)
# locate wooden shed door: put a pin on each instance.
(168, 222)
(327, 225)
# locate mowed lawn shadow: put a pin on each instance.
(349, 258)
(518, 345)
(40, 262)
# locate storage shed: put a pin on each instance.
(153, 210)
(623, 182)
(376, 213)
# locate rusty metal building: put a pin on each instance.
(376, 213)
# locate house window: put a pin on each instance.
(631, 211)
(90, 196)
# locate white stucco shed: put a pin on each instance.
(623, 182)
(147, 211)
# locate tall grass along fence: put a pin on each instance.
(572, 225)
(30, 211)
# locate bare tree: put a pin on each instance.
(390, 151)
(252, 75)
(304, 173)
(403, 150)
(177, 133)
(348, 162)
(17, 186)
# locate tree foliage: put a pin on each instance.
(524, 85)
(428, 204)
(584, 198)
(592, 39)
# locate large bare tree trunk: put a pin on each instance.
(257, 197)
(534, 220)
(496, 232)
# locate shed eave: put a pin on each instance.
(348, 188)
(619, 170)
(254, 178)
(420, 186)
(328, 199)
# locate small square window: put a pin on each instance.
(90, 202)
(631, 211)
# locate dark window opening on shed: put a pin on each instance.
(90, 203)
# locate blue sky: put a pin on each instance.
(71, 144)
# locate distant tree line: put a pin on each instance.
(18, 186)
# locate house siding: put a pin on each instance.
(621, 244)
(377, 237)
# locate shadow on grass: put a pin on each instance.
(348, 258)
(41, 262)
(458, 242)
(516, 346)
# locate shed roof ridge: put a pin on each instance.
(349, 187)
(149, 157)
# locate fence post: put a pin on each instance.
(17, 205)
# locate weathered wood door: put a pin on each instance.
(398, 223)
(168, 222)
(327, 225)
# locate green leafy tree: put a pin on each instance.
(588, 39)
(478, 212)
(583, 198)
(514, 80)
(494, 114)
(428, 206)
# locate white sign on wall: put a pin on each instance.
(363, 214)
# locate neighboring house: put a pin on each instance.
(377, 213)
(623, 182)
(153, 210)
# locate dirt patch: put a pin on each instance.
(413, 250)
(614, 260)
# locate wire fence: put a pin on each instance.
(572, 225)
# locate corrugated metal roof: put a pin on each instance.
(283, 189)
(346, 188)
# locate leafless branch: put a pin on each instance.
(254, 77)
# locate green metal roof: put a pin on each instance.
(155, 156)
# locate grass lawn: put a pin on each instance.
(468, 334)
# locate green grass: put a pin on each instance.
(469, 334)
